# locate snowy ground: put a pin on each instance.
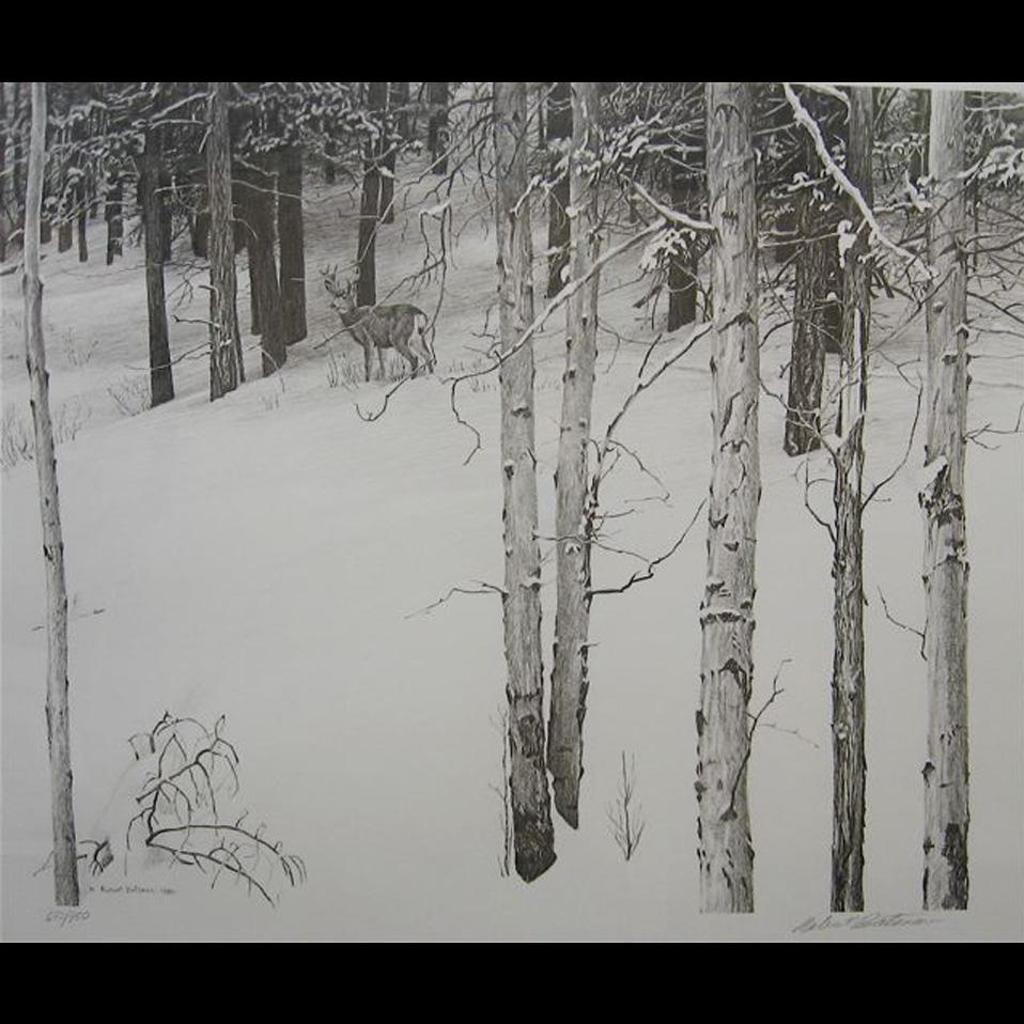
(260, 558)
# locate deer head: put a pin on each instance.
(341, 294)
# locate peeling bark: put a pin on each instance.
(65, 859)
(531, 804)
(725, 849)
(572, 522)
(945, 569)
(849, 764)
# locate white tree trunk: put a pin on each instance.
(725, 850)
(572, 522)
(533, 832)
(945, 567)
(65, 862)
(849, 765)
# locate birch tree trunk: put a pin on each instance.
(572, 522)
(65, 858)
(533, 833)
(849, 765)
(725, 850)
(945, 568)
(225, 340)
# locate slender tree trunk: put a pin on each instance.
(572, 522)
(17, 170)
(161, 377)
(266, 297)
(83, 242)
(682, 272)
(369, 210)
(533, 832)
(725, 849)
(945, 569)
(559, 127)
(437, 127)
(291, 244)
(849, 764)
(922, 117)
(115, 219)
(402, 98)
(225, 341)
(65, 848)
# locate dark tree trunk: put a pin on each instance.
(166, 214)
(817, 313)
(83, 243)
(200, 234)
(330, 173)
(62, 811)
(161, 380)
(400, 101)
(257, 201)
(115, 219)
(849, 763)
(437, 127)
(225, 341)
(922, 118)
(290, 240)
(559, 127)
(682, 269)
(65, 233)
(369, 210)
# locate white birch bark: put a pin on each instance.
(572, 521)
(533, 833)
(945, 567)
(725, 849)
(65, 862)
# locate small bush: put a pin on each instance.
(16, 443)
(131, 395)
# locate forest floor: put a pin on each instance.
(269, 557)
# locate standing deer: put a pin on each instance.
(381, 327)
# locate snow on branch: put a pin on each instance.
(669, 214)
(847, 186)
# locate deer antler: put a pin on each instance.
(330, 276)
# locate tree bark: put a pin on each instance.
(115, 219)
(369, 209)
(849, 762)
(533, 832)
(725, 849)
(6, 217)
(161, 377)
(402, 97)
(387, 162)
(559, 127)
(225, 341)
(65, 849)
(942, 500)
(437, 126)
(291, 244)
(569, 679)
(258, 204)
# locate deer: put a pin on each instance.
(401, 327)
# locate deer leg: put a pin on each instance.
(368, 360)
(407, 355)
(380, 363)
